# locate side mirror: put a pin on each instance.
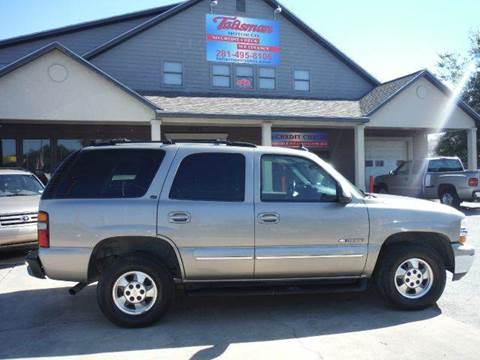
(344, 197)
(391, 172)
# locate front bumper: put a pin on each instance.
(464, 256)
(35, 267)
(13, 235)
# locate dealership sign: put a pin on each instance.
(310, 140)
(234, 39)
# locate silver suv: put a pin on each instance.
(20, 193)
(228, 217)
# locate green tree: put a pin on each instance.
(450, 68)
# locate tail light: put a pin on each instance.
(43, 231)
(473, 182)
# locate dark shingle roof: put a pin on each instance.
(377, 97)
(86, 25)
(257, 107)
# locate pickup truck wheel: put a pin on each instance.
(411, 277)
(450, 197)
(135, 292)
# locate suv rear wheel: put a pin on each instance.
(411, 277)
(135, 291)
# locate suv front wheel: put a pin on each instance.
(135, 291)
(411, 277)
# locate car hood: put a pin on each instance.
(409, 203)
(19, 204)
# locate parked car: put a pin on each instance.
(441, 178)
(20, 193)
(229, 218)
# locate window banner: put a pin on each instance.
(310, 140)
(233, 39)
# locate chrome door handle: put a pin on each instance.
(179, 217)
(268, 218)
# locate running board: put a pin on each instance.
(273, 288)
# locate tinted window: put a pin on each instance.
(443, 165)
(210, 177)
(404, 169)
(107, 173)
(36, 155)
(295, 179)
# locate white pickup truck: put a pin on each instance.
(442, 178)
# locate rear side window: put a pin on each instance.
(210, 177)
(108, 174)
(443, 165)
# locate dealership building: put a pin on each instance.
(243, 70)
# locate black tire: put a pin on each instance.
(451, 192)
(160, 275)
(389, 263)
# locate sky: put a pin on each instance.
(388, 38)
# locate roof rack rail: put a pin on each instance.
(176, 141)
(216, 142)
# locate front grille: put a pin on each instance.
(18, 219)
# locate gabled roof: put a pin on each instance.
(273, 3)
(258, 108)
(57, 46)
(385, 92)
(378, 96)
(85, 25)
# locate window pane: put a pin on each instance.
(404, 169)
(267, 84)
(19, 185)
(295, 179)
(244, 71)
(244, 82)
(8, 152)
(172, 79)
(119, 173)
(36, 155)
(210, 177)
(172, 67)
(302, 85)
(302, 75)
(221, 81)
(221, 70)
(443, 165)
(267, 72)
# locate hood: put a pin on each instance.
(19, 204)
(413, 204)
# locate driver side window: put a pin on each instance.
(295, 179)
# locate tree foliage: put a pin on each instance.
(450, 68)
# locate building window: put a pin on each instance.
(302, 80)
(244, 77)
(266, 78)
(221, 75)
(66, 146)
(173, 73)
(37, 155)
(8, 152)
(242, 5)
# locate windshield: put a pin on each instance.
(19, 185)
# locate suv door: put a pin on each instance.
(206, 210)
(301, 230)
(398, 182)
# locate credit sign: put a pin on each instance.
(234, 39)
(310, 140)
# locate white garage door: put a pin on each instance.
(383, 155)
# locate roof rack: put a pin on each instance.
(177, 141)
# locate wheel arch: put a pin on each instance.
(157, 248)
(436, 241)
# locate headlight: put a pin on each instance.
(463, 232)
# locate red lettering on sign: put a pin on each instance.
(232, 23)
